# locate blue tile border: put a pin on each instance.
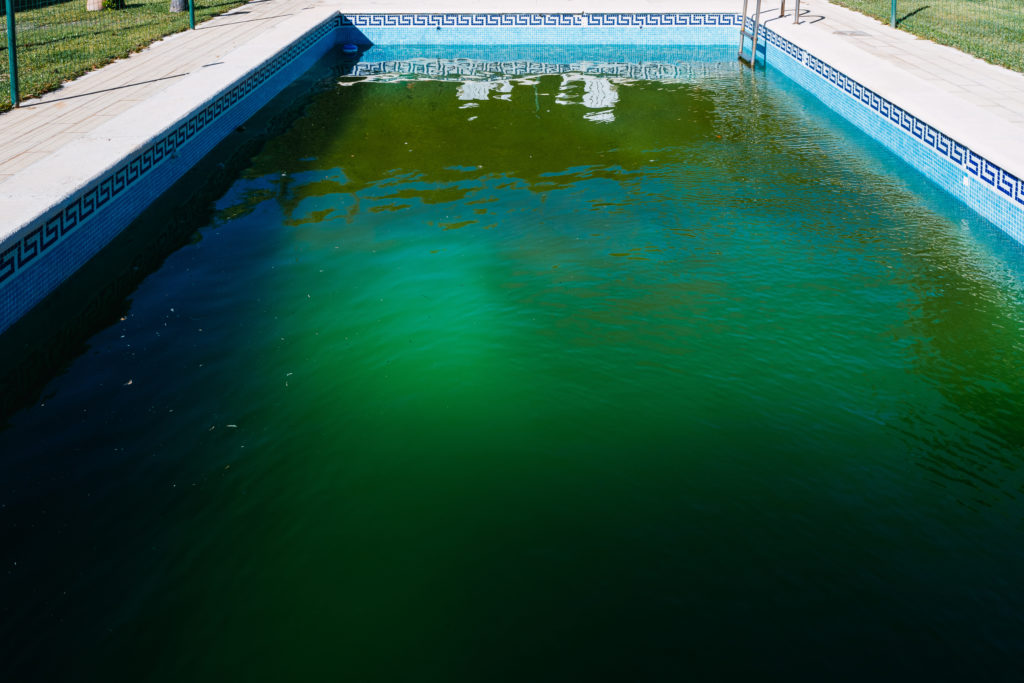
(687, 19)
(972, 164)
(462, 68)
(976, 165)
(460, 20)
(580, 28)
(523, 20)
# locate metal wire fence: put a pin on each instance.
(990, 29)
(58, 40)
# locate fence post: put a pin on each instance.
(12, 52)
(892, 17)
(192, 13)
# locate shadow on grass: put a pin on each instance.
(27, 5)
(157, 25)
(910, 14)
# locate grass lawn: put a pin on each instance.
(58, 41)
(990, 29)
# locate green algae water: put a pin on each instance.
(540, 370)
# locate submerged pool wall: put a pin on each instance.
(45, 250)
(990, 190)
(150, 147)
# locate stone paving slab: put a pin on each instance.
(103, 137)
(28, 132)
(976, 103)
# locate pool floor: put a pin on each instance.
(572, 375)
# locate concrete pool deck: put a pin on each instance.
(54, 146)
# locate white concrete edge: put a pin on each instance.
(35, 191)
(971, 125)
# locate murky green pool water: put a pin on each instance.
(568, 377)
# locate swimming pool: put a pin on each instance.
(547, 365)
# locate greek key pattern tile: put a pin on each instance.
(460, 20)
(514, 20)
(973, 164)
(663, 19)
(89, 203)
(460, 69)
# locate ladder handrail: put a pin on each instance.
(753, 35)
(796, 13)
(757, 26)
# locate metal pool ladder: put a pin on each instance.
(744, 33)
(753, 36)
